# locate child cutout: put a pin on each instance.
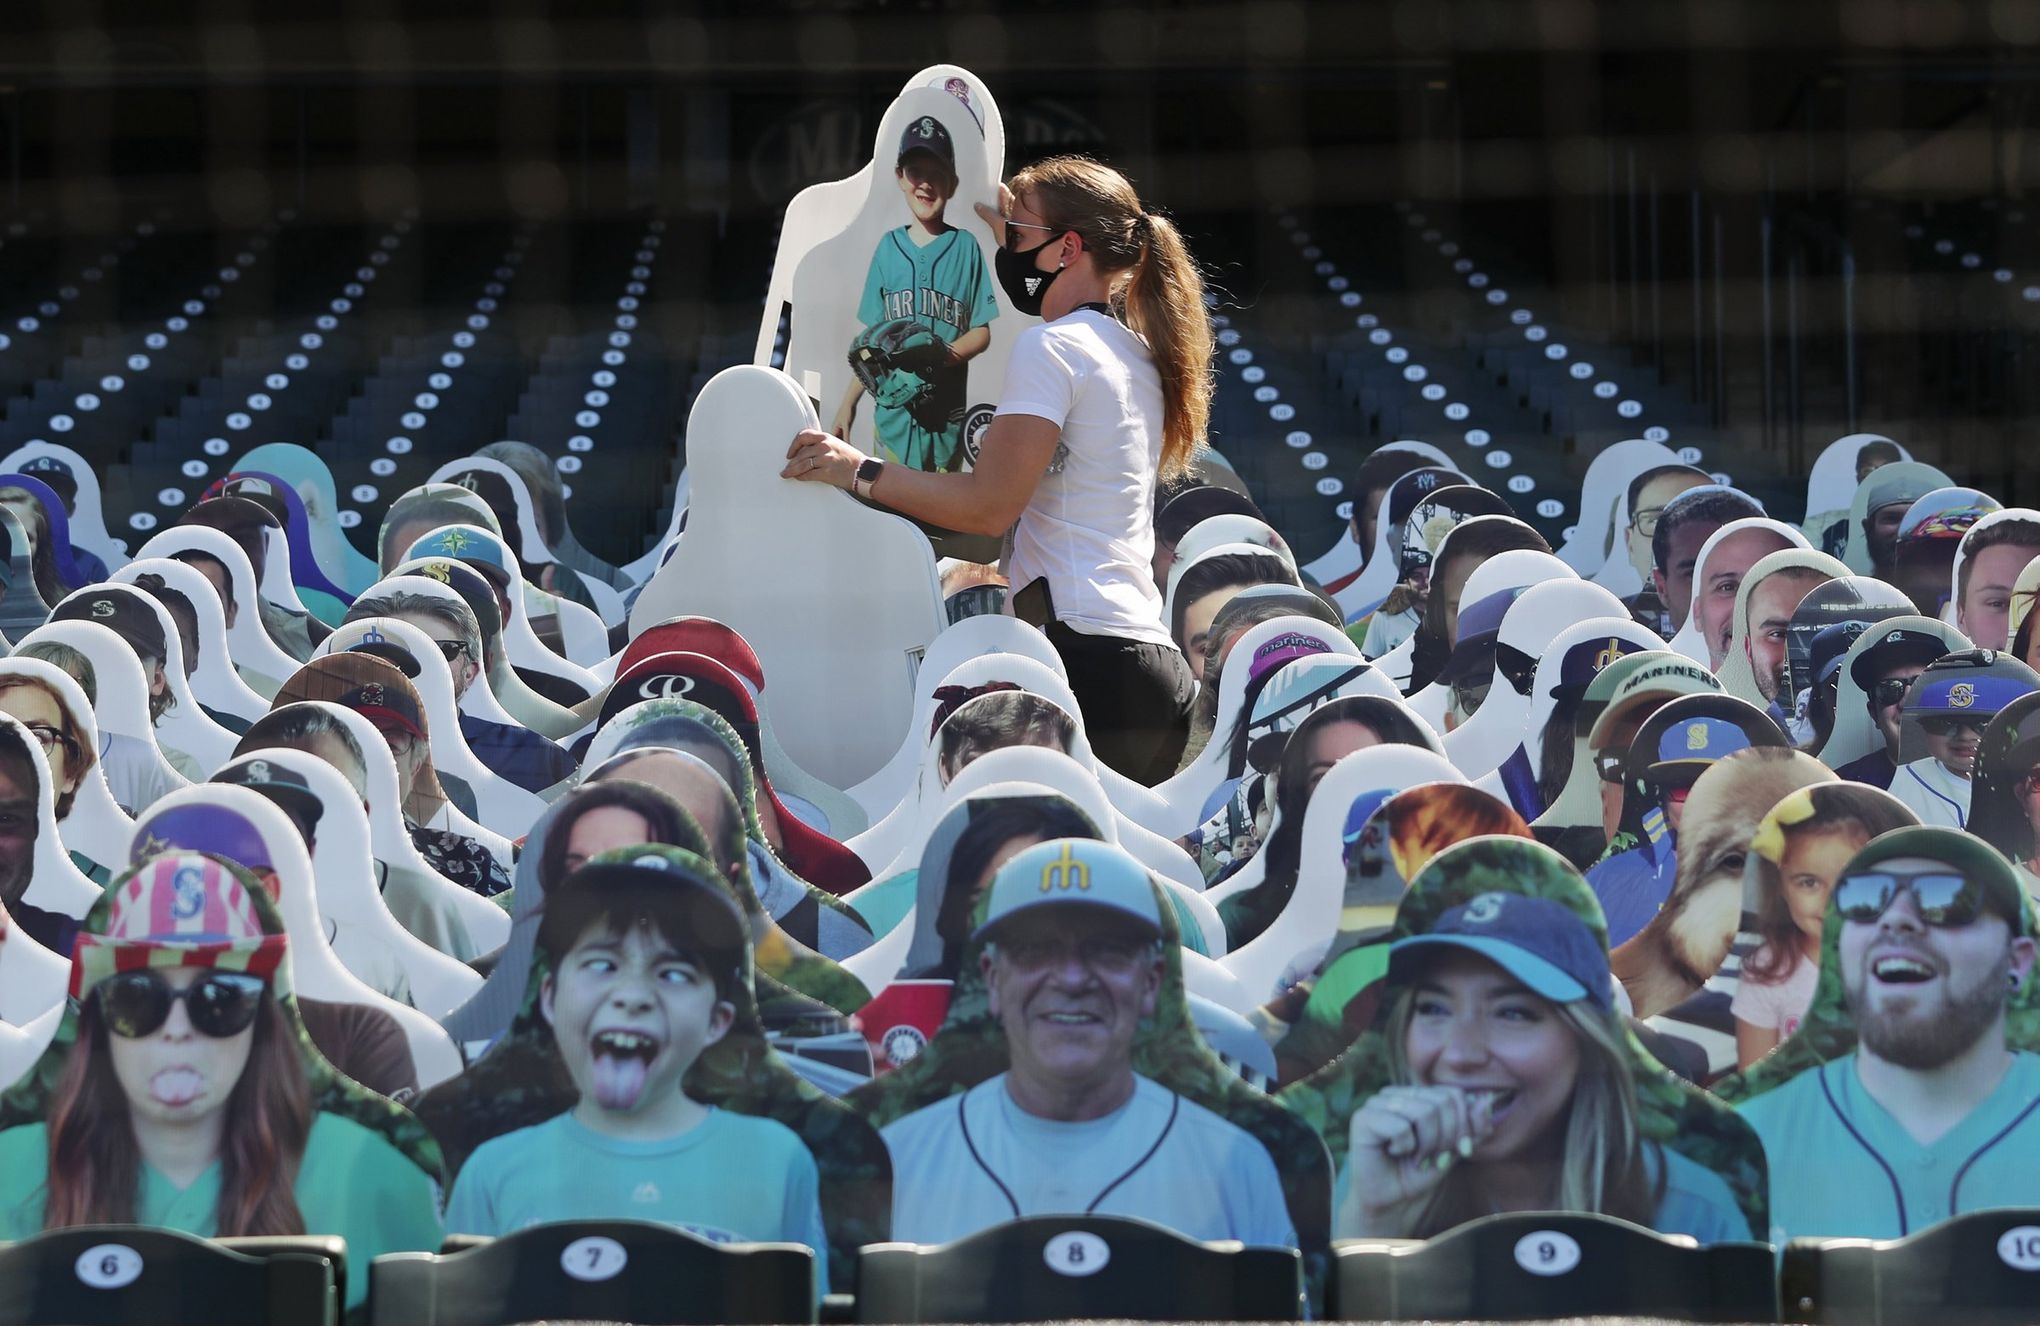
(1797, 853)
(645, 959)
(636, 1081)
(926, 277)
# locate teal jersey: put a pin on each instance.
(352, 1183)
(732, 1178)
(944, 286)
(1843, 1167)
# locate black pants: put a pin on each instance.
(1136, 699)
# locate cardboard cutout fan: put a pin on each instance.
(1651, 1123)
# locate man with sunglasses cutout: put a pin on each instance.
(1933, 1114)
(1884, 673)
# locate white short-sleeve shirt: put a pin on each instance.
(1089, 528)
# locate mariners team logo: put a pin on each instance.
(926, 126)
(1485, 909)
(187, 893)
(1426, 482)
(1696, 736)
(1961, 695)
(1065, 873)
(975, 421)
(454, 540)
(102, 607)
(900, 1045)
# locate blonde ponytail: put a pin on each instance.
(1163, 297)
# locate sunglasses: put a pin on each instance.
(1890, 692)
(1943, 899)
(219, 1004)
(452, 649)
(1945, 727)
(1468, 697)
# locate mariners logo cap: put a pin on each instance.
(178, 909)
(470, 544)
(1894, 647)
(1072, 872)
(53, 472)
(1539, 941)
(289, 789)
(126, 612)
(925, 133)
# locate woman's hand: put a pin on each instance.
(816, 457)
(996, 220)
(1403, 1143)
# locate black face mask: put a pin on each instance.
(1025, 285)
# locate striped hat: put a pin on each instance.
(179, 909)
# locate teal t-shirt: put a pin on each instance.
(732, 1178)
(352, 1183)
(1843, 1167)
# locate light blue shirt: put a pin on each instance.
(732, 1178)
(968, 1162)
(1843, 1167)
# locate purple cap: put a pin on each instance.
(1284, 648)
(199, 827)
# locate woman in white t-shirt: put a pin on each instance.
(1111, 392)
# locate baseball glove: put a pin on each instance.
(889, 358)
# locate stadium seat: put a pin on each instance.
(91, 1275)
(1057, 1268)
(1530, 1267)
(1981, 1269)
(609, 1270)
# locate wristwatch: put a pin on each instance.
(867, 474)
